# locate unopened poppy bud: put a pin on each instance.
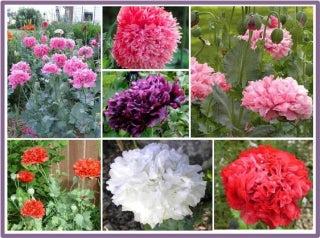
(194, 18)
(301, 17)
(277, 35)
(196, 31)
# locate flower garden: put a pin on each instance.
(38, 198)
(54, 81)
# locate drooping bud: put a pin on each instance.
(277, 35)
(194, 18)
(301, 17)
(254, 22)
(196, 31)
(283, 19)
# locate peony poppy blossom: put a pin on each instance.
(33, 208)
(85, 168)
(35, 155)
(25, 176)
(265, 184)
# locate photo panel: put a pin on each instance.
(252, 71)
(53, 185)
(264, 184)
(146, 104)
(54, 64)
(145, 37)
(157, 185)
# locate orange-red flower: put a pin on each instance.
(35, 155)
(33, 208)
(10, 36)
(25, 176)
(87, 168)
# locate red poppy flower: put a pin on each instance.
(34, 155)
(87, 168)
(266, 184)
(33, 208)
(25, 176)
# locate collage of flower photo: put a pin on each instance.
(160, 118)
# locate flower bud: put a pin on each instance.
(73, 207)
(31, 191)
(196, 31)
(277, 35)
(13, 197)
(301, 17)
(194, 18)
(241, 27)
(283, 19)
(254, 22)
(13, 176)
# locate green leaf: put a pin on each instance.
(241, 56)
(206, 106)
(262, 131)
(78, 219)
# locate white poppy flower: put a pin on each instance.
(156, 183)
(59, 31)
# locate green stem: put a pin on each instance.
(244, 57)
(202, 46)
(185, 19)
(84, 93)
(229, 38)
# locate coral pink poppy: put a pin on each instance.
(146, 37)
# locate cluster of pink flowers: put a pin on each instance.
(58, 43)
(70, 44)
(29, 41)
(50, 68)
(74, 64)
(84, 78)
(277, 51)
(146, 37)
(74, 67)
(274, 98)
(203, 79)
(86, 51)
(59, 59)
(40, 50)
(20, 74)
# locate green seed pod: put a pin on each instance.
(283, 19)
(196, 31)
(301, 17)
(309, 69)
(31, 191)
(194, 18)
(257, 20)
(241, 27)
(277, 35)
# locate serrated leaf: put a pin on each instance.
(78, 219)
(222, 107)
(206, 106)
(241, 56)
